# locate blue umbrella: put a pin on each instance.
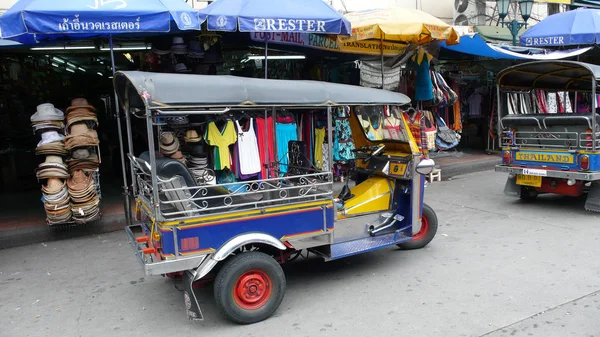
(274, 16)
(577, 27)
(80, 19)
(303, 16)
(29, 21)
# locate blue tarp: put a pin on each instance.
(477, 47)
(51, 19)
(303, 16)
(572, 28)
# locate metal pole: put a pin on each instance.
(593, 113)
(120, 132)
(266, 145)
(275, 149)
(130, 142)
(152, 155)
(330, 139)
(499, 113)
(266, 53)
(382, 70)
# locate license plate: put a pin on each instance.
(528, 180)
(543, 157)
(397, 169)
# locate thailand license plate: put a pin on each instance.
(397, 169)
(529, 180)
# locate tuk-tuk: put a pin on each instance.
(237, 233)
(549, 127)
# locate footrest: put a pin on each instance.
(349, 248)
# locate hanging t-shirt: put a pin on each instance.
(475, 104)
(248, 149)
(285, 133)
(319, 141)
(221, 141)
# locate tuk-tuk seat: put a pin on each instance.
(536, 120)
(583, 119)
(173, 175)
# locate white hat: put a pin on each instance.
(50, 137)
(47, 112)
(177, 40)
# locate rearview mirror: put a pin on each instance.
(425, 166)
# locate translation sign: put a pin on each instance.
(331, 43)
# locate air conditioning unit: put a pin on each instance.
(469, 12)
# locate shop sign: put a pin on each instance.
(75, 25)
(545, 41)
(282, 25)
(331, 43)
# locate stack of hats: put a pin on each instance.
(178, 47)
(80, 111)
(82, 140)
(49, 121)
(47, 118)
(84, 199)
(56, 201)
(195, 49)
(198, 164)
(169, 144)
(53, 167)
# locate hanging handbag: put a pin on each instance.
(429, 129)
(445, 134)
(452, 96)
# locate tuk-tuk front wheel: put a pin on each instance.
(249, 287)
(429, 226)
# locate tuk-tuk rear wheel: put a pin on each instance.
(249, 287)
(429, 226)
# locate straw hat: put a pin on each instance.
(179, 156)
(191, 136)
(50, 137)
(47, 112)
(79, 181)
(54, 160)
(80, 103)
(81, 136)
(53, 186)
(169, 144)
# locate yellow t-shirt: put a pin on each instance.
(221, 141)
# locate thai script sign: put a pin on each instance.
(76, 25)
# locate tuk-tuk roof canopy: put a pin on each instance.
(550, 76)
(185, 90)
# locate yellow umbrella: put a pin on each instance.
(400, 25)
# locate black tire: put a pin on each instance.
(247, 270)
(421, 240)
(528, 194)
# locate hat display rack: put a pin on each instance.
(69, 173)
(183, 141)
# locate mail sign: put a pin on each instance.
(545, 157)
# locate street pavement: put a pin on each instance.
(497, 267)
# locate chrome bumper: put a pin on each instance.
(149, 261)
(585, 176)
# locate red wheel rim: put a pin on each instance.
(252, 289)
(424, 229)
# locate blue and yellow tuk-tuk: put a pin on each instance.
(550, 132)
(237, 233)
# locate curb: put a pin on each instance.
(449, 171)
(40, 234)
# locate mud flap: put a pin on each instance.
(592, 203)
(511, 188)
(191, 302)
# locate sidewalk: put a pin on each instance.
(17, 229)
